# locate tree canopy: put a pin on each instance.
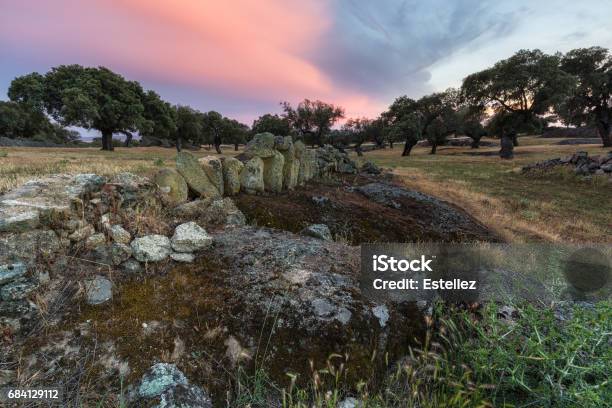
(312, 120)
(272, 123)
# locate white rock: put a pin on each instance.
(151, 248)
(182, 257)
(190, 237)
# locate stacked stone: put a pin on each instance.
(583, 164)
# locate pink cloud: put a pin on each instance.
(244, 48)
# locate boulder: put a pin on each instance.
(252, 176)
(320, 231)
(262, 145)
(308, 167)
(291, 167)
(283, 143)
(119, 234)
(231, 175)
(191, 170)
(172, 185)
(273, 172)
(44, 199)
(151, 248)
(190, 237)
(214, 170)
(98, 290)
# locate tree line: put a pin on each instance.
(520, 94)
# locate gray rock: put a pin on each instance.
(173, 186)
(160, 378)
(382, 313)
(370, 168)
(98, 290)
(185, 257)
(48, 197)
(131, 266)
(82, 233)
(120, 253)
(190, 237)
(120, 235)
(231, 175)
(184, 396)
(17, 290)
(252, 176)
(151, 248)
(273, 172)
(214, 170)
(11, 272)
(262, 145)
(210, 212)
(95, 240)
(320, 200)
(607, 168)
(17, 308)
(27, 246)
(350, 402)
(195, 176)
(320, 231)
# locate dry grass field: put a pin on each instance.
(551, 206)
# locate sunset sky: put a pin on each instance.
(242, 57)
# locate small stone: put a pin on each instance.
(382, 314)
(82, 233)
(151, 248)
(11, 272)
(120, 252)
(95, 240)
(182, 257)
(350, 402)
(190, 237)
(120, 235)
(131, 266)
(98, 290)
(320, 231)
(16, 290)
(159, 378)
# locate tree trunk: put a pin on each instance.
(515, 140)
(603, 128)
(408, 148)
(179, 144)
(434, 147)
(358, 150)
(217, 142)
(236, 146)
(128, 139)
(475, 143)
(107, 140)
(391, 144)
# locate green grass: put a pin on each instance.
(557, 203)
(474, 359)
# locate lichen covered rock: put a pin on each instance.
(172, 185)
(190, 237)
(252, 176)
(151, 248)
(195, 176)
(273, 172)
(231, 175)
(214, 170)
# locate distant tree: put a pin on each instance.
(358, 131)
(312, 119)
(93, 98)
(471, 124)
(159, 119)
(235, 133)
(274, 124)
(408, 127)
(590, 99)
(213, 126)
(14, 120)
(525, 85)
(188, 126)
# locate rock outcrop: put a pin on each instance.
(583, 164)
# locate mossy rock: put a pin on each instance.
(173, 186)
(197, 179)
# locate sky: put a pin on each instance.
(243, 57)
